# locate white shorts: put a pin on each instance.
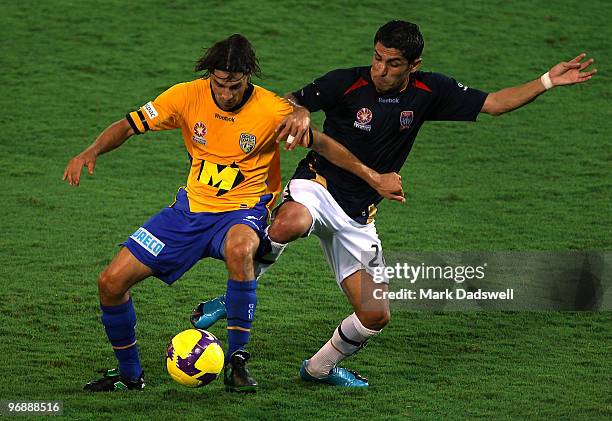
(348, 245)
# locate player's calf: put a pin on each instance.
(374, 320)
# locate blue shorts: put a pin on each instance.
(175, 239)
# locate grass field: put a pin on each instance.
(535, 179)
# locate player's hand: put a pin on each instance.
(72, 173)
(295, 124)
(389, 186)
(571, 72)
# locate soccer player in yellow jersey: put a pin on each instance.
(228, 127)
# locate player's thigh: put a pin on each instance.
(123, 272)
(353, 247)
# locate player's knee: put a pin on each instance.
(374, 320)
(110, 285)
(241, 248)
(290, 224)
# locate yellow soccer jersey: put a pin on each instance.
(234, 157)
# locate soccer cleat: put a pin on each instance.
(337, 376)
(113, 381)
(207, 313)
(236, 376)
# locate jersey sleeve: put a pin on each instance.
(282, 108)
(163, 113)
(324, 92)
(455, 101)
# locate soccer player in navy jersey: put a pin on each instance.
(376, 112)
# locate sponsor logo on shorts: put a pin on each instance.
(406, 118)
(148, 241)
(199, 131)
(150, 110)
(364, 116)
(247, 142)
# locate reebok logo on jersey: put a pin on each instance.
(224, 118)
(148, 241)
(388, 100)
(150, 110)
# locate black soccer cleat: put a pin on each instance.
(236, 376)
(113, 381)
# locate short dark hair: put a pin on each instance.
(234, 54)
(403, 36)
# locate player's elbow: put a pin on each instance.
(495, 113)
(493, 106)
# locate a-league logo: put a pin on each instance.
(247, 142)
(199, 131)
(364, 116)
(406, 118)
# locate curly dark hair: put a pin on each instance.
(403, 36)
(234, 54)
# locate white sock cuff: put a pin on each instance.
(361, 329)
(275, 245)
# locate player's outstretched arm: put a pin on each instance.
(111, 138)
(388, 185)
(564, 73)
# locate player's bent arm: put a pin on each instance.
(295, 124)
(564, 73)
(111, 138)
(387, 185)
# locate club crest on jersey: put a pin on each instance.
(406, 118)
(364, 116)
(199, 131)
(247, 142)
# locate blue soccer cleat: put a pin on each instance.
(207, 313)
(338, 376)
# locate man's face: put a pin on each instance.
(390, 70)
(228, 88)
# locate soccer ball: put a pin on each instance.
(194, 358)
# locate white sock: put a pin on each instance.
(270, 258)
(348, 338)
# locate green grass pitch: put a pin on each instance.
(535, 179)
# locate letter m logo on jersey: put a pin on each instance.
(223, 177)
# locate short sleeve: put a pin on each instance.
(282, 108)
(455, 101)
(324, 92)
(163, 113)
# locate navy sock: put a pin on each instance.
(120, 325)
(240, 302)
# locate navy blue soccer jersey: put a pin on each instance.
(378, 129)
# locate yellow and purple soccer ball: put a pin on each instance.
(194, 358)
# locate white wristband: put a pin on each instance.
(545, 79)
